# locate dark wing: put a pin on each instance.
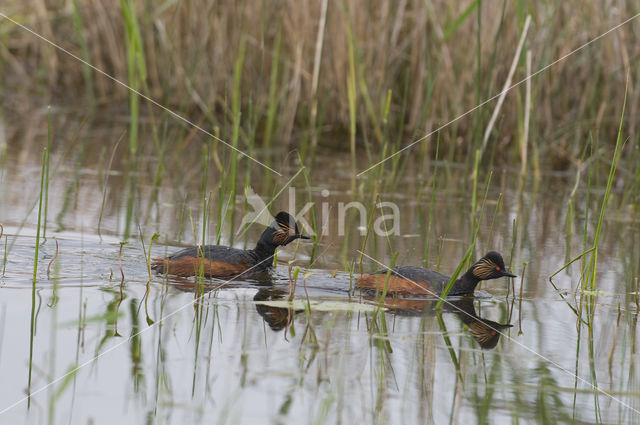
(419, 274)
(219, 261)
(214, 253)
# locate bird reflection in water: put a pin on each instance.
(485, 332)
(277, 318)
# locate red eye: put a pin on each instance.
(293, 232)
(498, 268)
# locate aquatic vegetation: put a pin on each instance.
(411, 132)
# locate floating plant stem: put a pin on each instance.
(570, 262)
(293, 280)
(148, 256)
(122, 244)
(524, 270)
(54, 257)
(131, 184)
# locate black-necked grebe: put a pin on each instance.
(224, 262)
(412, 280)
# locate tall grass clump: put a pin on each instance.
(590, 281)
(319, 69)
(136, 68)
(87, 72)
(236, 117)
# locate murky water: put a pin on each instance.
(100, 348)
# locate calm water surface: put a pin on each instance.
(106, 350)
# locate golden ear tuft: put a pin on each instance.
(280, 237)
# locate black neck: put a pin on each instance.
(264, 250)
(465, 284)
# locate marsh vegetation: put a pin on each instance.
(131, 130)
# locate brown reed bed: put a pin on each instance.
(411, 66)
